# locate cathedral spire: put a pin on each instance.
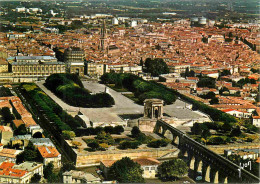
(103, 36)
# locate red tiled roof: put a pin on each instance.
(146, 161)
(141, 161)
(6, 165)
(7, 170)
(48, 151)
(228, 110)
(17, 122)
(5, 129)
(28, 121)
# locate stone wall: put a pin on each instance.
(94, 158)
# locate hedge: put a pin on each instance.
(70, 89)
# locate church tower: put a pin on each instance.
(103, 37)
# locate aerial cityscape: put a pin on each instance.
(129, 91)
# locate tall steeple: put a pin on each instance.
(103, 36)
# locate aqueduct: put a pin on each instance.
(214, 168)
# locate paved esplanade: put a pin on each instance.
(123, 105)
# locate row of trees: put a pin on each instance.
(71, 90)
(142, 89)
(50, 108)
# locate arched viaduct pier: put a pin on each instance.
(214, 168)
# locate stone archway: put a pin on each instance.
(198, 165)
(214, 176)
(37, 135)
(222, 177)
(206, 173)
(160, 130)
(192, 163)
(176, 140)
(168, 134)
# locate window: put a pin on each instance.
(146, 168)
(152, 168)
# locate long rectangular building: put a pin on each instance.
(37, 68)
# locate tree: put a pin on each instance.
(67, 166)
(109, 129)
(235, 132)
(156, 67)
(47, 170)
(29, 154)
(20, 158)
(214, 100)
(207, 82)
(198, 128)
(141, 62)
(173, 169)
(205, 40)
(255, 70)
(6, 115)
(5, 92)
(118, 129)
(21, 130)
(226, 127)
(54, 178)
(126, 171)
(223, 89)
(135, 131)
(76, 24)
(104, 137)
(216, 140)
(225, 73)
(251, 128)
(210, 95)
(68, 134)
(93, 145)
(205, 134)
(187, 72)
(36, 178)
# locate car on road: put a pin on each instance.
(199, 176)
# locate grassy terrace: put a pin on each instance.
(53, 111)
